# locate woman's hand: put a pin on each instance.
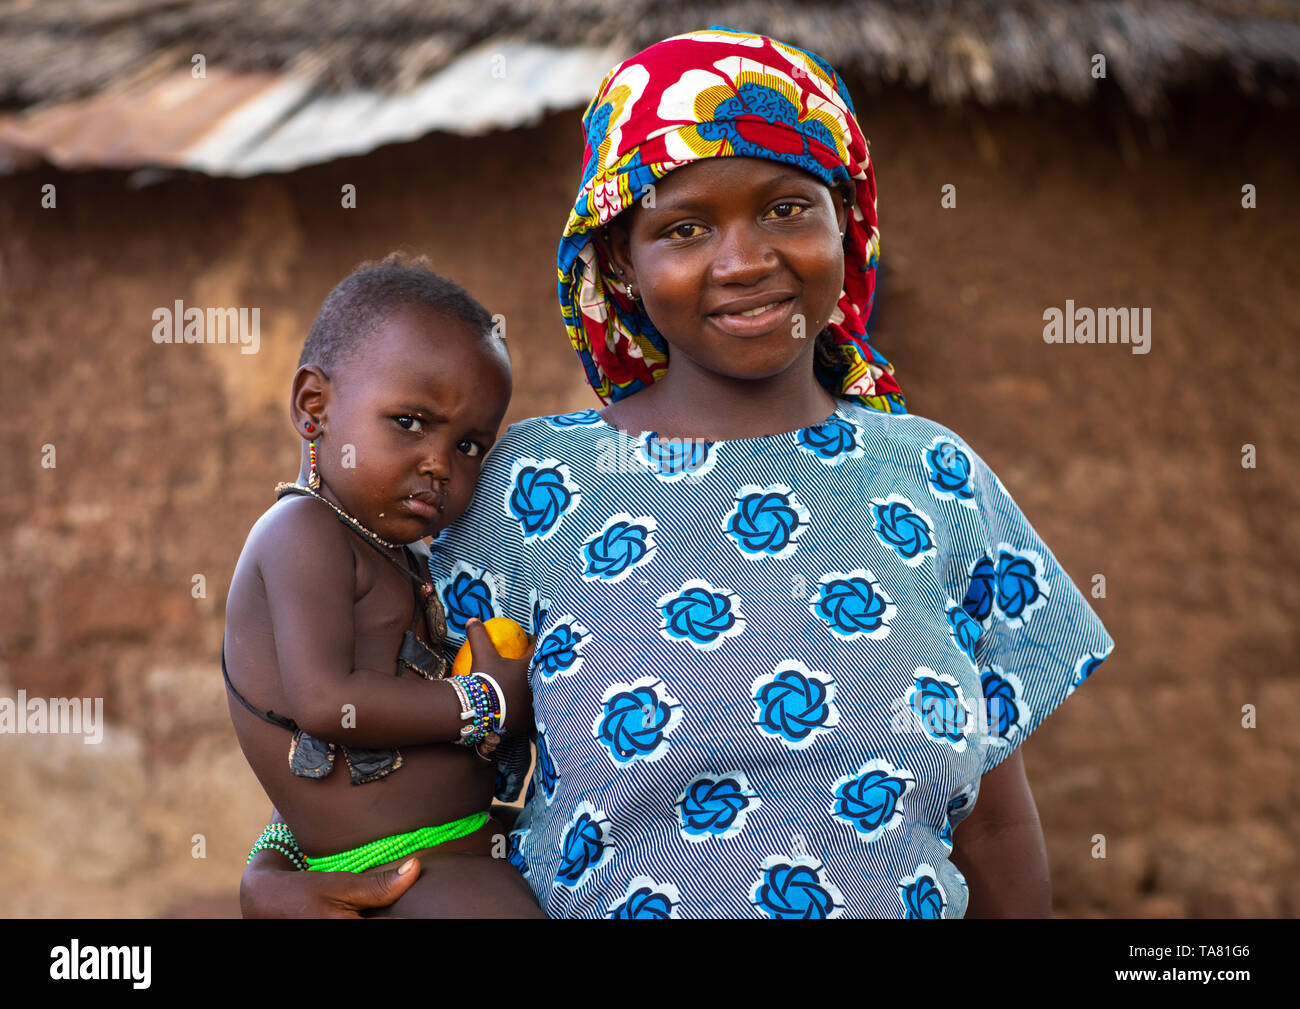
(512, 674)
(272, 888)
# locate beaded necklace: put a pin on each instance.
(433, 611)
(288, 488)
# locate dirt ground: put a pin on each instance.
(1129, 465)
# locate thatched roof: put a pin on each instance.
(56, 50)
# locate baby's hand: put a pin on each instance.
(511, 674)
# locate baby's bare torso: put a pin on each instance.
(436, 783)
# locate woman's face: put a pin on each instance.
(728, 236)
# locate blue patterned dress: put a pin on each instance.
(770, 671)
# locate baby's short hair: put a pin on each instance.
(363, 299)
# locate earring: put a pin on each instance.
(628, 288)
(313, 478)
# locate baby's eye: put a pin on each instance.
(797, 207)
(409, 423)
(471, 448)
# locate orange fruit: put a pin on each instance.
(510, 639)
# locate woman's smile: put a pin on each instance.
(766, 314)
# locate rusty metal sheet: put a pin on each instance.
(242, 124)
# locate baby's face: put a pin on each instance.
(409, 421)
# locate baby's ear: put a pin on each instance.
(309, 401)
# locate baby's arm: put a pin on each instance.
(999, 848)
(307, 567)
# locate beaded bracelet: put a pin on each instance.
(480, 705)
(466, 705)
(499, 699)
(482, 718)
(485, 703)
(278, 837)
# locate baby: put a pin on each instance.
(333, 631)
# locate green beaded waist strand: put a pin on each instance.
(390, 849)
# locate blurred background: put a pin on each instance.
(200, 151)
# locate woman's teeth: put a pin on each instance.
(758, 311)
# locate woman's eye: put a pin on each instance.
(471, 448)
(409, 423)
(796, 207)
(674, 232)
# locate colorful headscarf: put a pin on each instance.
(707, 94)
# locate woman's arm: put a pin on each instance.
(999, 848)
(272, 888)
